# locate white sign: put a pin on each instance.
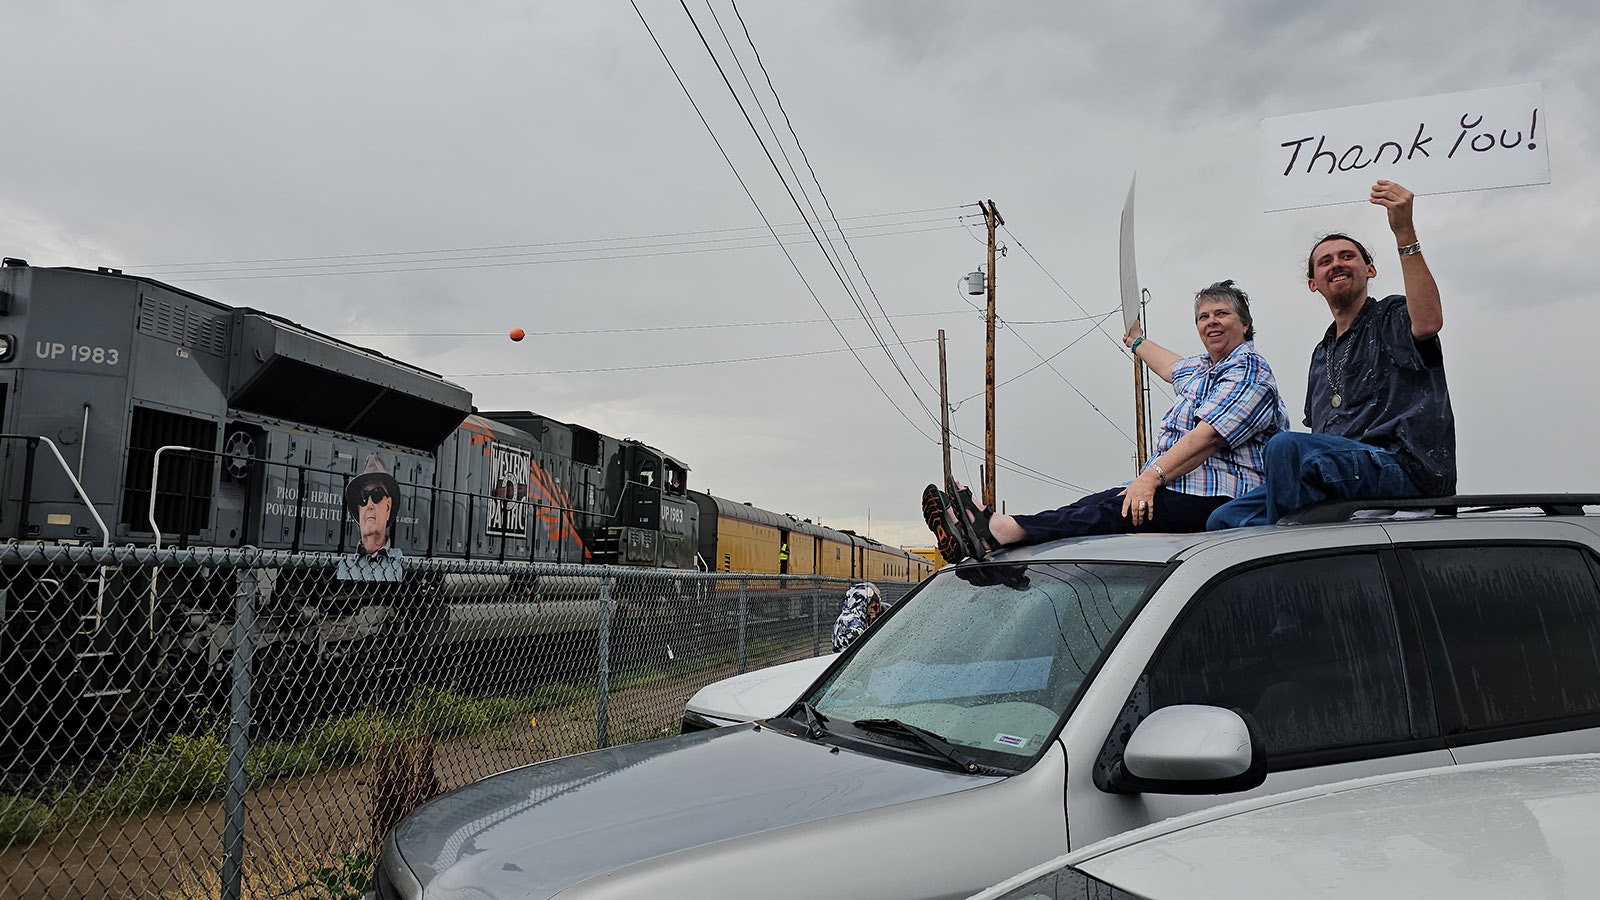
(1125, 265)
(1432, 145)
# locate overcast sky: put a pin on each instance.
(421, 178)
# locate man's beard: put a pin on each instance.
(1345, 293)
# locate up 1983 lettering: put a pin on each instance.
(102, 356)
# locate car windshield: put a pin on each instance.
(988, 658)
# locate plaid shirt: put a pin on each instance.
(1239, 398)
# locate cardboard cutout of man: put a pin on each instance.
(372, 499)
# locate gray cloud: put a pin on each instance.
(188, 132)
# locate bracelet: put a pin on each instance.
(1411, 249)
(1161, 474)
(1134, 347)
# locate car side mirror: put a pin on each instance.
(1191, 749)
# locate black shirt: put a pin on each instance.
(1392, 393)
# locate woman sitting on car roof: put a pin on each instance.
(1208, 451)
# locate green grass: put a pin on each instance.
(347, 741)
(22, 818)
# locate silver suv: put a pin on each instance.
(1009, 711)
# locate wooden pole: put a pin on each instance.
(944, 411)
(1141, 441)
(991, 217)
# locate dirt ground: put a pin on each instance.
(296, 825)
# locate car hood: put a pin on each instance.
(532, 832)
(1502, 829)
(758, 694)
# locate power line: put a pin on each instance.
(759, 211)
(832, 265)
(794, 135)
(634, 330)
(1116, 342)
(682, 365)
(644, 237)
(1044, 361)
(475, 262)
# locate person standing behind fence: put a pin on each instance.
(862, 606)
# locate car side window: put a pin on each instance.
(1309, 647)
(1521, 629)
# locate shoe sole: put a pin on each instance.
(935, 512)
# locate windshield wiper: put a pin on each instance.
(928, 739)
(814, 723)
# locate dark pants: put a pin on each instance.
(1102, 514)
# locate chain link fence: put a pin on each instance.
(200, 724)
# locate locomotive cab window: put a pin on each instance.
(677, 478)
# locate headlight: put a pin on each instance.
(8, 347)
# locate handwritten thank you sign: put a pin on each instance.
(1432, 145)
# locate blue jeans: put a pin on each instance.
(1302, 469)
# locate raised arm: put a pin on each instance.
(1422, 294)
(1158, 358)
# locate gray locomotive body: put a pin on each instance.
(266, 424)
(138, 414)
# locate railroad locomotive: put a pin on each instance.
(137, 413)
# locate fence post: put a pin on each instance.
(816, 616)
(744, 615)
(602, 721)
(244, 615)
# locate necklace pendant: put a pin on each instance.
(1337, 399)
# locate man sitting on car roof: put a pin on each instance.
(1376, 400)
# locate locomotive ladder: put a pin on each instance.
(92, 657)
(96, 660)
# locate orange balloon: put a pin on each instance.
(518, 334)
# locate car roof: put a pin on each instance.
(1403, 514)
(1522, 828)
(1153, 548)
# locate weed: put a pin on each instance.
(445, 713)
(555, 694)
(346, 878)
(500, 710)
(21, 819)
(182, 769)
(346, 741)
(276, 759)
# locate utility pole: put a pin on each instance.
(991, 217)
(1141, 449)
(944, 411)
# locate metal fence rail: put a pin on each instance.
(194, 723)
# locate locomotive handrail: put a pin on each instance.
(155, 473)
(77, 486)
(155, 575)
